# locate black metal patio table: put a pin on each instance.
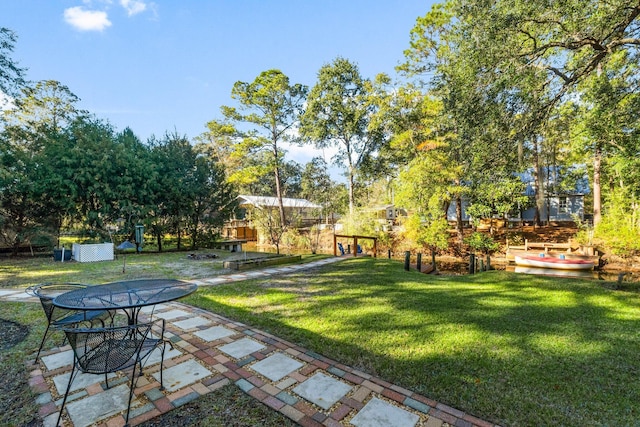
(129, 296)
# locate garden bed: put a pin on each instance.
(249, 263)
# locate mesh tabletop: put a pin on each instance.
(123, 295)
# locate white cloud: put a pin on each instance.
(86, 20)
(133, 7)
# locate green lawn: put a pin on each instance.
(512, 349)
(17, 401)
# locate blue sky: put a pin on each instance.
(170, 64)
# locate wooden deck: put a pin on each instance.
(569, 250)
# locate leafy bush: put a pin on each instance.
(515, 239)
(481, 242)
(620, 238)
(619, 229)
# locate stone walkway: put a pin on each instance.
(210, 352)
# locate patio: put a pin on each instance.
(211, 352)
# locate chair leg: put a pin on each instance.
(164, 346)
(44, 337)
(131, 387)
(66, 393)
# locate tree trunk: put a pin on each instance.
(520, 153)
(597, 189)
(538, 185)
(351, 191)
(159, 240)
(459, 219)
(194, 238)
(276, 172)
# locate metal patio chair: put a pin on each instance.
(58, 317)
(111, 349)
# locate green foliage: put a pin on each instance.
(292, 238)
(432, 233)
(340, 113)
(60, 168)
(515, 239)
(517, 79)
(481, 242)
(619, 230)
(365, 222)
(268, 110)
(11, 75)
(584, 236)
(191, 192)
(269, 225)
(318, 187)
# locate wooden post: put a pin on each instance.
(355, 246)
(407, 258)
(375, 248)
(335, 245)
(472, 263)
(419, 262)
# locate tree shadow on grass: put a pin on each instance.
(516, 350)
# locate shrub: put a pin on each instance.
(481, 242)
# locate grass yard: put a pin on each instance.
(17, 401)
(512, 349)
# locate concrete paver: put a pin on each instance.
(94, 408)
(156, 355)
(378, 413)
(58, 360)
(214, 333)
(80, 381)
(192, 323)
(322, 390)
(241, 348)
(302, 385)
(182, 375)
(172, 314)
(276, 366)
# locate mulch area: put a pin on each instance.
(11, 333)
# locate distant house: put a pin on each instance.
(387, 215)
(558, 206)
(301, 211)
